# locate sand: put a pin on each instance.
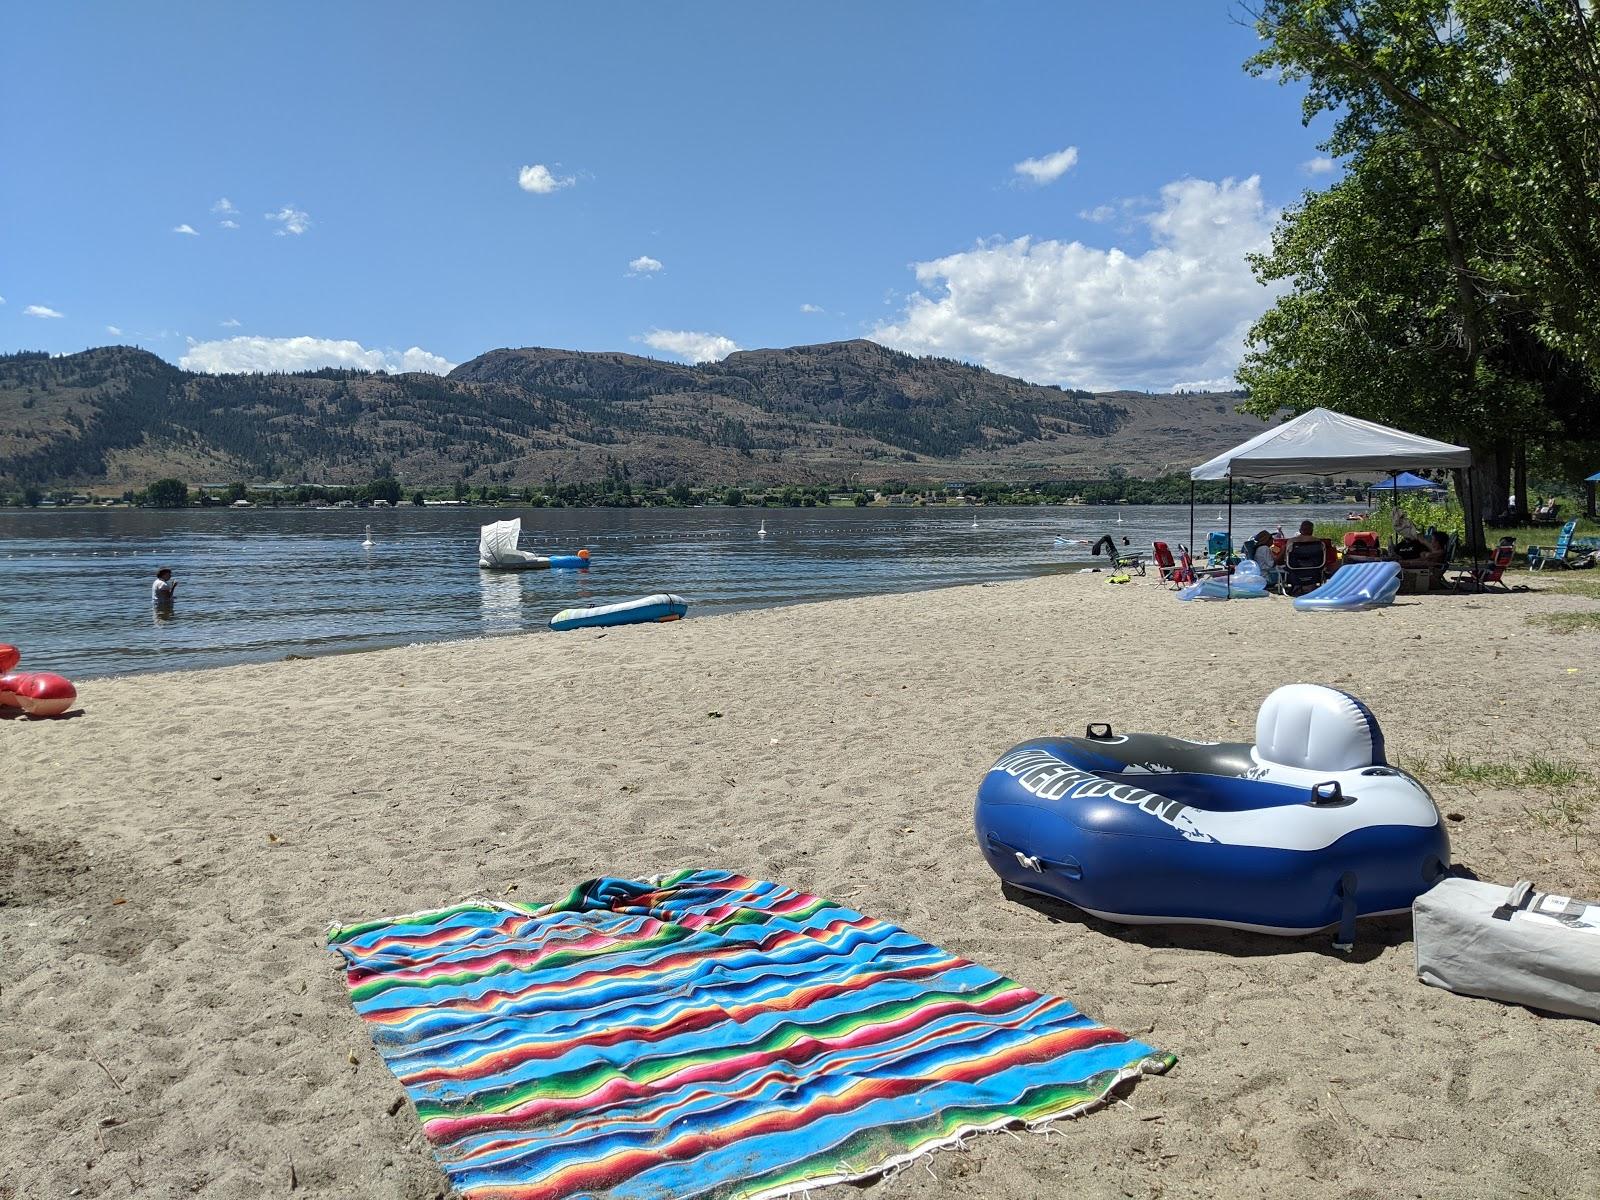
(170, 859)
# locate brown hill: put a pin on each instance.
(119, 417)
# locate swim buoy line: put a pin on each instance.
(1307, 828)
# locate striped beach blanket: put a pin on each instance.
(705, 1035)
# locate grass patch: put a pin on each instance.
(1569, 622)
(1563, 815)
(1536, 771)
(1573, 583)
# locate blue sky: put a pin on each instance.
(1064, 191)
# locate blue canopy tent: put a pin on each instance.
(1592, 481)
(1406, 482)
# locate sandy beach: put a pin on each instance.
(170, 861)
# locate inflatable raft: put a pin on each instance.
(664, 606)
(498, 551)
(1354, 586)
(36, 693)
(1307, 828)
(1246, 583)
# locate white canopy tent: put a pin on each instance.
(1324, 442)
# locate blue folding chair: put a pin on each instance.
(1538, 559)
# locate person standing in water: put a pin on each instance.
(164, 588)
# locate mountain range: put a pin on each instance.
(118, 417)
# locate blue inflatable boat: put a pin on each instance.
(1307, 828)
(664, 606)
(1354, 586)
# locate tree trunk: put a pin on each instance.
(1519, 482)
(1482, 489)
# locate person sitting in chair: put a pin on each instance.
(1307, 534)
(1425, 554)
(1259, 549)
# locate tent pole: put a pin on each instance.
(1191, 518)
(1228, 553)
(1469, 531)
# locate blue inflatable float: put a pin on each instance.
(664, 606)
(1354, 586)
(1246, 583)
(1307, 828)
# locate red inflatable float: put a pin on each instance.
(36, 693)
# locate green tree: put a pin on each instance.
(167, 493)
(733, 496)
(31, 496)
(385, 488)
(1449, 282)
(417, 498)
(236, 491)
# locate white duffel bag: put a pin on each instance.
(1516, 945)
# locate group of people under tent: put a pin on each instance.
(1414, 551)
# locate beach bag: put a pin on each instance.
(1512, 944)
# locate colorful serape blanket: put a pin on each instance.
(706, 1035)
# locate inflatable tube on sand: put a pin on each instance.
(1308, 827)
(36, 693)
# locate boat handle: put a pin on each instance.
(1327, 793)
(1099, 731)
(1033, 862)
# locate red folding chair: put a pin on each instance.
(1481, 579)
(1168, 568)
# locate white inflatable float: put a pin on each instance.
(498, 551)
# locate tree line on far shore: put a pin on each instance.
(618, 492)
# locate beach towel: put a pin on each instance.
(706, 1035)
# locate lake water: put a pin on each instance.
(259, 584)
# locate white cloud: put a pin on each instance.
(39, 310)
(2, 299)
(188, 229)
(1063, 312)
(258, 355)
(1321, 165)
(644, 265)
(229, 224)
(113, 331)
(1099, 214)
(1049, 168)
(293, 220)
(231, 323)
(690, 345)
(225, 207)
(538, 180)
(812, 308)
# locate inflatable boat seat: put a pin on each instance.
(1317, 729)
